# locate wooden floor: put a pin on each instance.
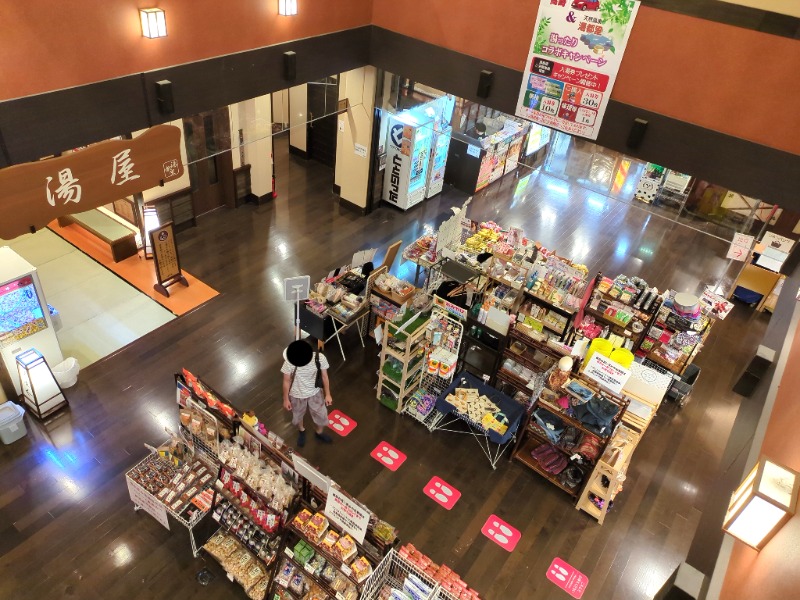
(67, 528)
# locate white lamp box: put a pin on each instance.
(25, 321)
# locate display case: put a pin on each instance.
(441, 145)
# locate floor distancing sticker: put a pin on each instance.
(341, 423)
(389, 456)
(501, 533)
(442, 492)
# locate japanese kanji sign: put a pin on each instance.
(33, 194)
(573, 61)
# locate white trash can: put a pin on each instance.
(66, 372)
(12, 426)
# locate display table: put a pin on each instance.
(485, 437)
(327, 326)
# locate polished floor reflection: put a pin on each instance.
(67, 528)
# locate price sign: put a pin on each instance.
(607, 373)
(549, 106)
(288, 552)
(586, 116)
(346, 570)
(591, 98)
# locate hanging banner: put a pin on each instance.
(575, 54)
(33, 194)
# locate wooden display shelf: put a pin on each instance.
(563, 311)
(329, 558)
(527, 361)
(523, 455)
(571, 420)
(543, 347)
(512, 380)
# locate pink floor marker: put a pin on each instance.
(442, 492)
(501, 533)
(341, 423)
(567, 577)
(389, 456)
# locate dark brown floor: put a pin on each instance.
(67, 528)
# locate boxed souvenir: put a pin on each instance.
(361, 568)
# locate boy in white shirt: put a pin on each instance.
(301, 391)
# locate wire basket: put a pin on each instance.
(392, 572)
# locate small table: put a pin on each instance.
(324, 327)
(486, 438)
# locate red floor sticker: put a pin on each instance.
(341, 423)
(568, 578)
(501, 533)
(389, 456)
(442, 492)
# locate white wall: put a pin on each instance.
(298, 109)
(280, 107)
(255, 118)
(355, 127)
(173, 185)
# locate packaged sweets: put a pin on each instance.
(361, 568)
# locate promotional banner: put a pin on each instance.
(575, 54)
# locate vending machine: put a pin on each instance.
(441, 146)
(25, 321)
(408, 150)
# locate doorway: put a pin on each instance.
(208, 151)
(323, 96)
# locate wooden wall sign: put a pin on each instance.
(33, 194)
(165, 256)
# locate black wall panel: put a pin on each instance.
(217, 82)
(36, 126)
(745, 167)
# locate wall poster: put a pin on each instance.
(573, 61)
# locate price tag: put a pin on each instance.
(215, 516)
(288, 552)
(340, 596)
(218, 484)
(229, 576)
(308, 568)
(346, 570)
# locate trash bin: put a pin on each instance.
(12, 427)
(66, 372)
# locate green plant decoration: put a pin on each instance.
(541, 35)
(616, 13)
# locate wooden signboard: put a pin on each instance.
(165, 255)
(33, 194)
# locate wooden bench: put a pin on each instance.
(120, 239)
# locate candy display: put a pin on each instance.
(443, 575)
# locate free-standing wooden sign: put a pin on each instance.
(165, 255)
(33, 194)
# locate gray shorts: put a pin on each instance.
(316, 405)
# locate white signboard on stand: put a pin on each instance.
(607, 373)
(778, 242)
(147, 502)
(316, 478)
(347, 514)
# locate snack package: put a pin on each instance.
(345, 548)
(284, 576)
(329, 541)
(361, 569)
(301, 519)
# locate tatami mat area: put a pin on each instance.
(98, 312)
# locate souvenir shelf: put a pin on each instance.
(522, 360)
(673, 341)
(616, 309)
(552, 295)
(533, 436)
(402, 361)
(605, 481)
(324, 556)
